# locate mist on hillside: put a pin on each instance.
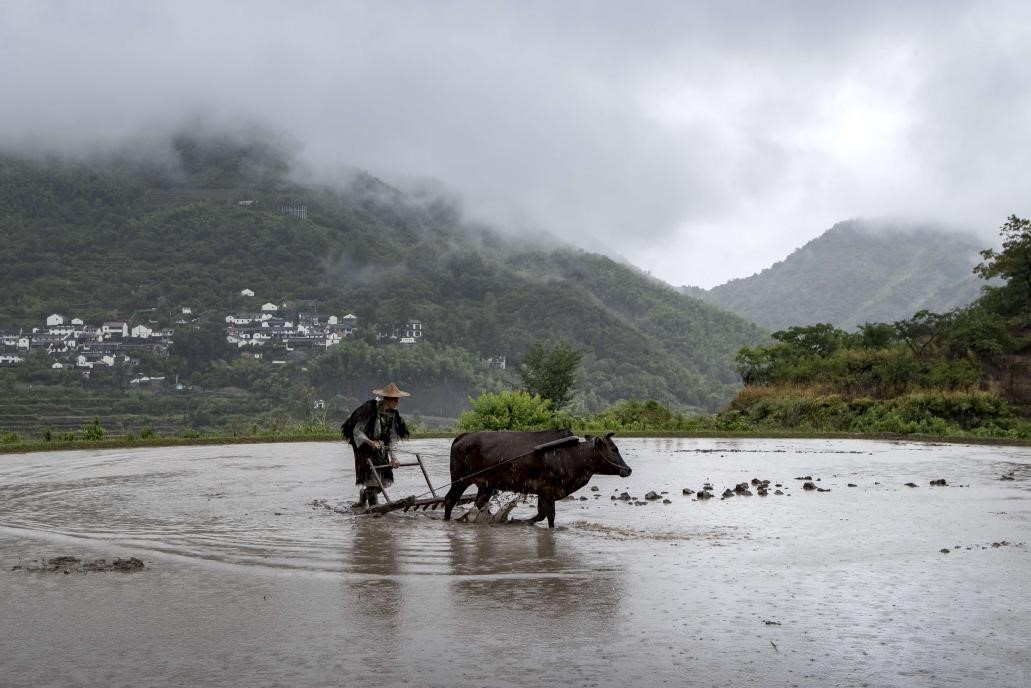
(699, 142)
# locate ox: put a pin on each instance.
(510, 461)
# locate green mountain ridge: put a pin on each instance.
(856, 272)
(131, 239)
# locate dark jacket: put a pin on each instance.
(364, 417)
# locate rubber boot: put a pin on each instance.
(363, 497)
(373, 496)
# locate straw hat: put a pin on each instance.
(390, 391)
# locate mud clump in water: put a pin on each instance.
(67, 565)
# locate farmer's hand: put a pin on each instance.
(394, 463)
(375, 444)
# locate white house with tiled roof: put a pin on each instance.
(118, 328)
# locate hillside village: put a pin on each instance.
(273, 332)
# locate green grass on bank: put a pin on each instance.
(767, 412)
(27, 446)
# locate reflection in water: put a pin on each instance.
(376, 595)
(530, 571)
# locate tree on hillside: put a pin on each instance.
(978, 332)
(1012, 263)
(550, 373)
(923, 332)
(821, 339)
(758, 365)
(875, 335)
(195, 348)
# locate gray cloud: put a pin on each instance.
(701, 141)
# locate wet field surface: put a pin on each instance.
(248, 581)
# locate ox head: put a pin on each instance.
(607, 460)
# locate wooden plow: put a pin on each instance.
(411, 502)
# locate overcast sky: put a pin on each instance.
(702, 141)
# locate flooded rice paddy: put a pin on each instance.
(249, 581)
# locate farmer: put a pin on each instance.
(372, 430)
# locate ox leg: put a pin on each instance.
(550, 505)
(483, 496)
(452, 497)
(542, 511)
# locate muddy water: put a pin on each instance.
(247, 583)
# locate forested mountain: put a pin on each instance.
(858, 271)
(137, 239)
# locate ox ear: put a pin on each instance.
(608, 435)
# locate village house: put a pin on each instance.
(10, 359)
(244, 318)
(115, 328)
(51, 343)
(89, 334)
(9, 340)
(145, 381)
(104, 347)
(346, 326)
(298, 210)
(55, 319)
(141, 332)
(269, 307)
(246, 292)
